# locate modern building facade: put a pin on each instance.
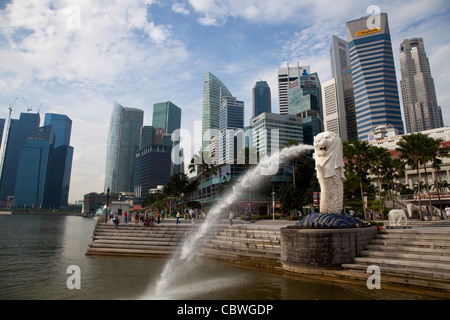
(153, 167)
(231, 119)
(334, 108)
(305, 102)
(123, 143)
(213, 91)
(418, 92)
(262, 99)
(349, 103)
(17, 137)
(167, 116)
(285, 76)
(373, 75)
(270, 131)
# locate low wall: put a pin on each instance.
(307, 250)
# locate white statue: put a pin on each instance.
(396, 216)
(409, 208)
(330, 171)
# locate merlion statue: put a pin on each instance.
(330, 171)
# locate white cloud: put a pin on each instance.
(179, 8)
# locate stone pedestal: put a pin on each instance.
(308, 250)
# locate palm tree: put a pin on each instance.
(204, 161)
(357, 154)
(411, 150)
(438, 151)
(377, 159)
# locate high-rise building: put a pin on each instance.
(270, 131)
(17, 137)
(59, 178)
(213, 91)
(285, 77)
(349, 102)
(123, 143)
(262, 100)
(418, 92)
(334, 109)
(167, 116)
(231, 119)
(305, 102)
(373, 74)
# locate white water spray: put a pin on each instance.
(179, 265)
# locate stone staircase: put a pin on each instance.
(418, 256)
(249, 246)
(136, 240)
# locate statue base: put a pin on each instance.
(328, 220)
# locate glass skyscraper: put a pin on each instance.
(373, 72)
(17, 137)
(262, 100)
(305, 102)
(167, 116)
(231, 119)
(213, 90)
(123, 143)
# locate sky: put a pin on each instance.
(78, 57)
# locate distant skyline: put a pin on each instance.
(78, 57)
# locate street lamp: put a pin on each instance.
(273, 205)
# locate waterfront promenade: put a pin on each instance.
(413, 258)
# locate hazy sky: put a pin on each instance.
(78, 57)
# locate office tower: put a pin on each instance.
(285, 77)
(373, 74)
(146, 140)
(305, 102)
(152, 168)
(167, 116)
(231, 119)
(59, 179)
(262, 100)
(213, 90)
(34, 169)
(349, 103)
(17, 137)
(264, 136)
(418, 93)
(123, 143)
(334, 109)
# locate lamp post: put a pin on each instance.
(107, 205)
(273, 204)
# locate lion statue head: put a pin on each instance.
(328, 155)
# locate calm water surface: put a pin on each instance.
(35, 252)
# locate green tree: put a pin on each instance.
(438, 151)
(378, 158)
(204, 161)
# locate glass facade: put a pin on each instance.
(373, 75)
(123, 143)
(213, 90)
(167, 116)
(231, 119)
(305, 102)
(17, 137)
(262, 100)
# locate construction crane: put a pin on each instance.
(5, 141)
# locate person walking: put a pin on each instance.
(125, 219)
(178, 217)
(231, 217)
(116, 223)
(447, 211)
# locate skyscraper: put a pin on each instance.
(305, 102)
(17, 137)
(285, 77)
(373, 72)
(59, 179)
(167, 116)
(123, 143)
(213, 90)
(418, 93)
(231, 119)
(334, 109)
(262, 100)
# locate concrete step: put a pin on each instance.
(419, 249)
(403, 263)
(242, 250)
(419, 256)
